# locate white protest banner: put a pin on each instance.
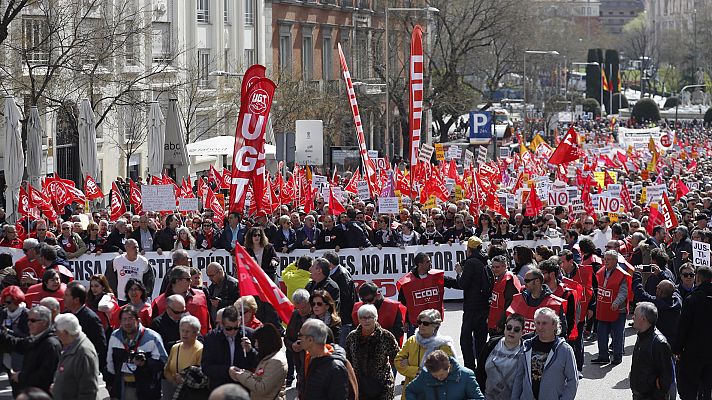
(481, 155)
(609, 204)
(188, 204)
(504, 152)
(577, 206)
(449, 184)
(385, 266)
(362, 189)
(693, 186)
(388, 205)
(426, 153)
(372, 154)
(511, 201)
(594, 200)
(558, 198)
(469, 159)
(700, 254)
(454, 152)
(655, 193)
(158, 197)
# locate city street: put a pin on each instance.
(605, 381)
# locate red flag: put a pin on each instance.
(335, 207)
(135, 197)
(212, 203)
(269, 292)
(352, 187)
(91, 189)
(534, 204)
(214, 176)
(226, 179)
(366, 162)
(25, 206)
(682, 189)
(625, 198)
(607, 179)
(495, 205)
(39, 200)
(118, 208)
(417, 70)
(566, 151)
(667, 212)
(202, 188)
(248, 154)
(654, 219)
(156, 180)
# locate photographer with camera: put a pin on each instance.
(135, 359)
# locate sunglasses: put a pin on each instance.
(230, 328)
(368, 299)
(317, 304)
(514, 329)
(425, 323)
(33, 320)
(688, 275)
(529, 280)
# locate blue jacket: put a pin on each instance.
(226, 237)
(560, 377)
(460, 384)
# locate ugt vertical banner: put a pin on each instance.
(416, 92)
(480, 127)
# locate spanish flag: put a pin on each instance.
(620, 87)
(604, 81)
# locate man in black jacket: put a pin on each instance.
(327, 376)
(651, 373)
(165, 239)
(223, 349)
(475, 279)
(168, 324)
(695, 367)
(667, 301)
(75, 297)
(117, 238)
(41, 352)
(347, 293)
(224, 289)
(320, 280)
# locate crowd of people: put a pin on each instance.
(527, 310)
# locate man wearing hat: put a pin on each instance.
(476, 281)
(701, 221)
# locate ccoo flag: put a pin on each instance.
(567, 150)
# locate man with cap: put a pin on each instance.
(475, 280)
(701, 220)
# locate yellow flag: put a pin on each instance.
(536, 141)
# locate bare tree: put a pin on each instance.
(131, 130)
(11, 10)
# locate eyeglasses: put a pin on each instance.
(41, 230)
(256, 235)
(317, 304)
(33, 320)
(688, 275)
(230, 328)
(64, 228)
(367, 317)
(514, 329)
(530, 280)
(425, 323)
(8, 302)
(177, 312)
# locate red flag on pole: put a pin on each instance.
(666, 210)
(335, 206)
(91, 189)
(212, 203)
(534, 204)
(253, 278)
(135, 197)
(214, 176)
(226, 179)
(417, 70)
(118, 208)
(567, 150)
(40, 200)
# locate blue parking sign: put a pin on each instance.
(480, 127)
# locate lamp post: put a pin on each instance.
(599, 70)
(547, 52)
(428, 10)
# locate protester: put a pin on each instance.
(295, 352)
(75, 299)
(77, 375)
(267, 382)
(611, 308)
(548, 368)
(51, 286)
(327, 373)
(320, 280)
(651, 373)
(101, 300)
(71, 242)
(223, 289)
(391, 314)
(195, 302)
(247, 306)
(370, 348)
(184, 240)
(144, 235)
(505, 286)
(15, 322)
(167, 323)
(183, 354)
(416, 348)
(347, 293)
(536, 295)
(262, 251)
(498, 361)
(130, 266)
(296, 275)
(136, 295)
(686, 280)
(324, 309)
(442, 377)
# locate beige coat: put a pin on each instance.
(267, 382)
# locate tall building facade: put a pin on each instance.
(616, 13)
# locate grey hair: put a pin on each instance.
(317, 330)
(175, 298)
(432, 314)
(368, 310)
(300, 296)
(639, 235)
(648, 311)
(42, 313)
(611, 253)
(218, 315)
(30, 243)
(68, 323)
(190, 320)
(178, 255)
(121, 221)
(548, 312)
(51, 303)
(683, 229)
(133, 242)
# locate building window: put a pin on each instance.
(326, 59)
(35, 43)
(203, 11)
(161, 42)
(285, 49)
(307, 58)
(130, 43)
(226, 11)
(203, 68)
(249, 12)
(249, 57)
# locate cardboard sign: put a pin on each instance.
(188, 203)
(388, 205)
(439, 152)
(609, 204)
(425, 153)
(559, 198)
(701, 254)
(158, 197)
(481, 155)
(454, 152)
(362, 189)
(469, 159)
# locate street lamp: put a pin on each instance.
(427, 10)
(546, 52)
(679, 98)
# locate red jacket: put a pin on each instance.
(195, 303)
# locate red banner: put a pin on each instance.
(118, 208)
(417, 70)
(92, 190)
(368, 164)
(135, 197)
(250, 141)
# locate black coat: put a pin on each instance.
(216, 356)
(269, 254)
(94, 329)
(347, 293)
(651, 373)
(668, 308)
(228, 291)
(168, 328)
(164, 239)
(279, 241)
(476, 284)
(41, 356)
(694, 327)
(327, 377)
(302, 236)
(136, 235)
(330, 286)
(354, 236)
(329, 239)
(114, 242)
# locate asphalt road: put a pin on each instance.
(604, 382)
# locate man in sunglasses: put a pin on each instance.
(536, 295)
(227, 347)
(195, 301)
(391, 314)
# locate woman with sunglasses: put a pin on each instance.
(384, 236)
(207, 238)
(502, 230)
(431, 235)
(262, 251)
(324, 308)
(484, 228)
(95, 243)
(415, 350)
(497, 363)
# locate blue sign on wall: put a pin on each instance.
(480, 127)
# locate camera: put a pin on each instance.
(137, 356)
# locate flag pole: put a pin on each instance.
(242, 313)
(610, 89)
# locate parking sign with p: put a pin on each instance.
(480, 127)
